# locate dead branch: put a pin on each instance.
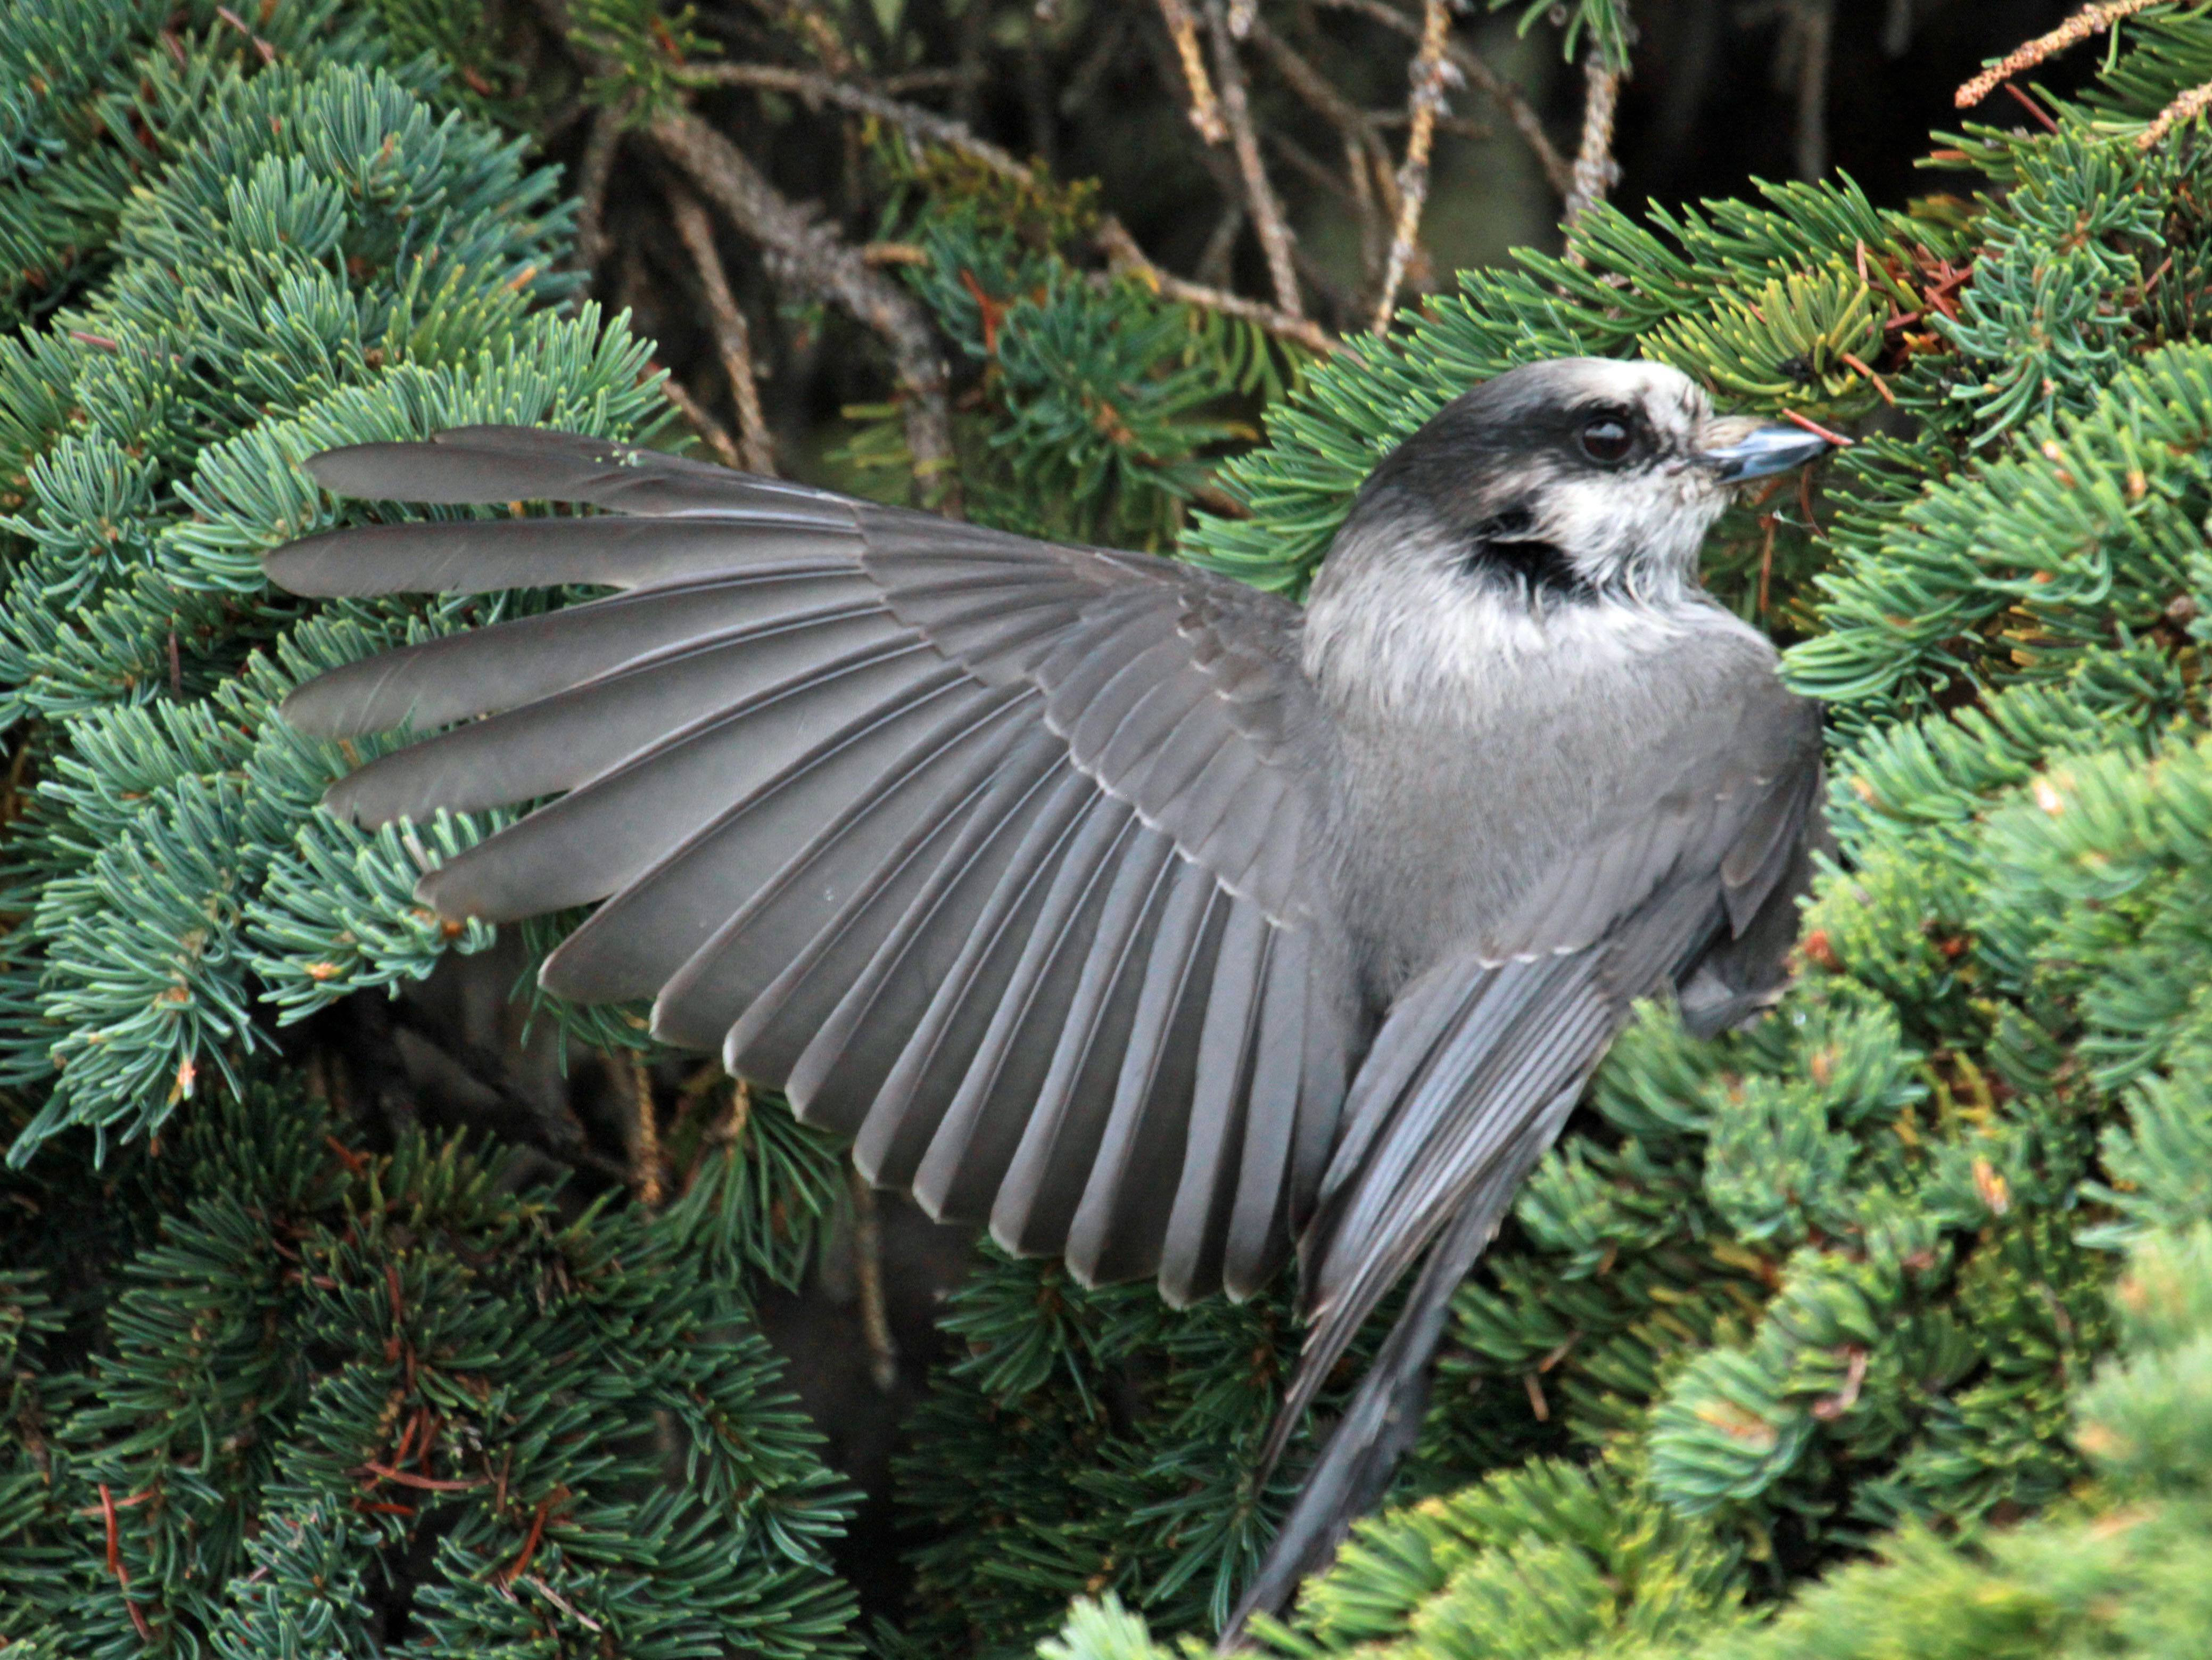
(927, 126)
(1123, 255)
(1425, 100)
(868, 1270)
(1594, 169)
(1488, 81)
(701, 421)
(1366, 157)
(594, 174)
(2090, 20)
(1267, 221)
(1810, 31)
(1204, 108)
(819, 88)
(810, 256)
(732, 339)
(633, 1086)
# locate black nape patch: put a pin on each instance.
(1505, 545)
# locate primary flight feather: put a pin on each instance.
(1165, 925)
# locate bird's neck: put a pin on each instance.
(1456, 654)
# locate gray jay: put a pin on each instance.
(1167, 926)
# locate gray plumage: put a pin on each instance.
(1163, 924)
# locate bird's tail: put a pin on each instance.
(1382, 1419)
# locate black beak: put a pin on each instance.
(1768, 450)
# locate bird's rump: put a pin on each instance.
(991, 853)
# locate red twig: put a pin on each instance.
(1817, 429)
(530, 1544)
(115, 1563)
(2031, 107)
(408, 1479)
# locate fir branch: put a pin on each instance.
(1204, 107)
(732, 336)
(1507, 96)
(2187, 106)
(1268, 221)
(1425, 102)
(812, 257)
(1595, 169)
(2091, 19)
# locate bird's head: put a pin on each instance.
(1577, 486)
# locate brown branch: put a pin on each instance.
(819, 88)
(1425, 99)
(868, 1270)
(2187, 107)
(593, 175)
(732, 339)
(1121, 248)
(696, 416)
(1268, 221)
(1594, 170)
(1204, 108)
(1493, 85)
(810, 256)
(1212, 265)
(1364, 147)
(1814, 22)
(1123, 255)
(634, 1085)
(2090, 20)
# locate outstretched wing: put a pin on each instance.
(995, 856)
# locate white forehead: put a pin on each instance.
(1672, 400)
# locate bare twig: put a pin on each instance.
(1425, 99)
(1213, 261)
(868, 1269)
(633, 1086)
(702, 422)
(1113, 240)
(2090, 20)
(810, 256)
(1267, 221)
(817, 87)
(1123, 255)
(1812, 24)
(821, 33)
(732, 339)
(1204, 108)
(1493, 85)
(1594, 171)
(594, 173)
(2187, 107)
(1090, 74)
(1363, 148)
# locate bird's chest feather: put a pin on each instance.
(1460, 785)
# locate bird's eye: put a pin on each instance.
(1606, 438)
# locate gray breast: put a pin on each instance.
(1446, 813)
